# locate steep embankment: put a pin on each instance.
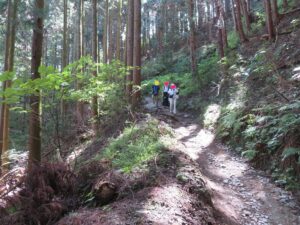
(260, 119)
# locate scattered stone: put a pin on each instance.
(186, 116)
(246, 213)
(226, 181)
(182, 177)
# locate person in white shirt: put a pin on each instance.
(173, 96)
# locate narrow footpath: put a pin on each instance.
(194, 181)
(240, 193)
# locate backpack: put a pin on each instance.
(155, 90)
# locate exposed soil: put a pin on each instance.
(198, 182)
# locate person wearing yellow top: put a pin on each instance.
(155, 92)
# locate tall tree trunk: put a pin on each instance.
(65, 30)
(105, 33)
(94, 53)
(129, 48)
(224, 31)
(234, 19)
(241, 32)
(110, 37)
(248, 6)
(9, 65)
(276, 15)
(34, 122)
(137, 54)
(270, 24)
(6, 66)
(200, 14)
(227, 8)
(192, 38)
(118, 48)
(64, 52)
(211, 21)
(246, 15)
(220, 26)
(148, 37)
(80, 105)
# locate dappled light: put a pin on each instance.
(197, 139)
(150, 112)
(211, 115)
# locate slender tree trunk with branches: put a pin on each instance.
(34, 121)
(270, 24)
(192, 37)
(137, 54)
(129, 48)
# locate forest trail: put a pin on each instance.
(240, 193)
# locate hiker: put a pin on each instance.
(165, 94)
(155, 92)
(173, 96)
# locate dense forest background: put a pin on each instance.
(76, 76)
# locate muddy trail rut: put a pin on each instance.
(240, 193)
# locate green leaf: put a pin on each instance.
(249, 154)
(7, 75)
(290, 151)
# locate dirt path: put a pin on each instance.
(241, 194)
(195, 181)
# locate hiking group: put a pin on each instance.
(170, 95)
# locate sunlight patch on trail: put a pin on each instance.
(212, 115)
(193, 140)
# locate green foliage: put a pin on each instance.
(228, 122)
(181, 65)
(208, 70)
(233, 40)
(206, 51)
(152, 68)
(135, 147)
(63, 83)
(263, 132)
(261, 20)
(259, 63)
(291, 4)
(287, 178)
(249, 154)
(77, 82)
(293, 106)
(250, 132)
(291, 151)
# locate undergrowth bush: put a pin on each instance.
(260, 22)
(181, 65)
(136, 146)
(233, 40)
(205, 51)
(208, 70)
(152, 68)
(271, 131)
